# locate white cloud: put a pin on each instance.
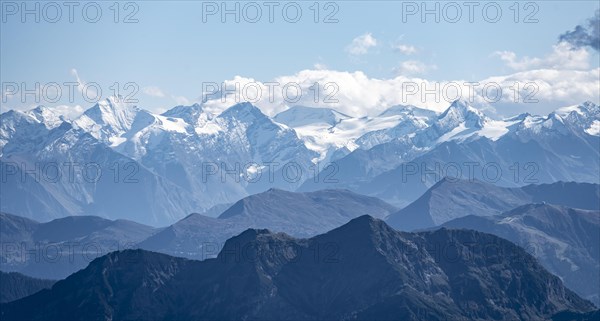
(359, 95)
(320, 66)
(80, 83)
(353, 93)
(413, 67)
(561, 78)
(68, 111)
(156, 92)
(563, 56)
(404, 49)
(153, 91)
(361, 44)
(551, 85)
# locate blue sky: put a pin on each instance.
(170, 52)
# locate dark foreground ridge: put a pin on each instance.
(361, 270)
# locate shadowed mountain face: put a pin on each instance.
(450, 198)
(297, 214)
(566, 241)
(60, 247)
(362, 270)
(14, 286)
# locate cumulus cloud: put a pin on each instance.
(543, 90)
(153, 91)
(563, 56)
(361, 44)
(354, 93)
(320, 66)
(70, 112)
(538, 85)
(404, 49)
(587, 35)
(157, 92)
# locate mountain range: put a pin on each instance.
(464, 143)
(65, 245)
(361, 270)
(452, 198)
(189, 160)
(55, 249)
(563, 238)
(297, 214)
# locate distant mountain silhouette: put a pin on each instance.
(55, 249)
(450, 198)
(298, 214)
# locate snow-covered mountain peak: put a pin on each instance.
(195, 115)
(585, 116)
(462, 107)
(244, 112)
(190, 114)
(172, 148)
(408, 110)
(298, 116)
(397, 110)
(108, 119)
(518, 118)
(39, 114)
(557, 122)
(46, 116)
(462, 121)
(586, 109)
(10, 123)
(591, 108)
(181, 111)
(13, 119)
(461, 112)
(111, 111)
